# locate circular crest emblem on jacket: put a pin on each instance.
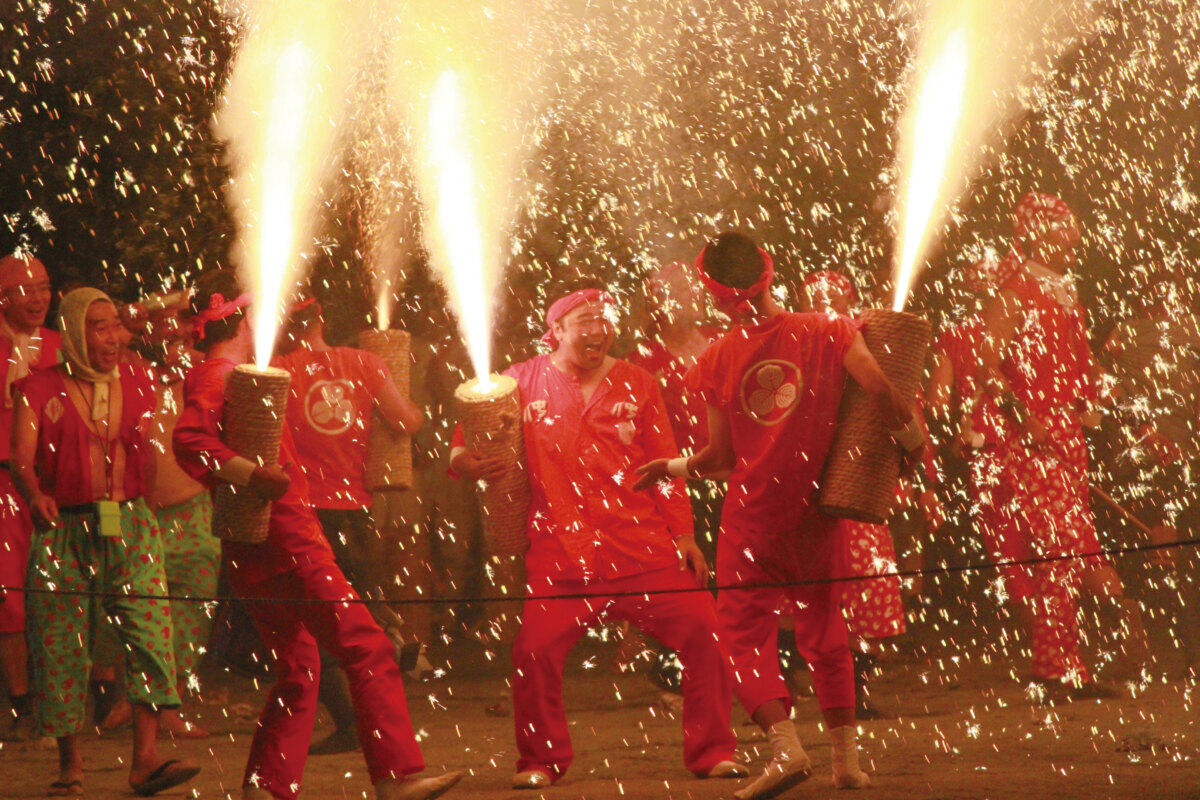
(770, 390)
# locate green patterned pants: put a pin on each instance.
(62, 628)
(192, 557)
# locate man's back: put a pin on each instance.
(780, 385)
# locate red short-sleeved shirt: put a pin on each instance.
(64, 462)
(330, 402)
(585, 520)
(780, 386)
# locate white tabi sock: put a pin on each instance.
(846, 772)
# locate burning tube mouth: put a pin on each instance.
(491, 422)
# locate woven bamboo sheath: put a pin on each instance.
(491, 423)
(864, 464)
(389, 455)
(255, 412)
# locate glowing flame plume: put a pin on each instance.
(280, 193)
(458, 236)
(930, 141)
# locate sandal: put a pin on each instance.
(65, 789)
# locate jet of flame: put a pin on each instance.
(280, 193)
(930, 141)
(289, 87)
(458, 239)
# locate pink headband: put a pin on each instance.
(565, 305)
(218, 309)
(743, 296)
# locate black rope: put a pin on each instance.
(944, 569)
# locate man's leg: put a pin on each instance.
(549, 629)
(60, 628)
(821, 639)
(133, 564)
(280, 745)
(687, 623)
(351, 635)
(15, 531)
(749, 630)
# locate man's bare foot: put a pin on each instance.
(173, 725)
(120, 716)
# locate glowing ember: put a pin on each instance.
(930, 139)
(457, 237)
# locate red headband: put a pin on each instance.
(565, 305)
(743, 296)
(835, 280)
(300, 305)
(218, 309)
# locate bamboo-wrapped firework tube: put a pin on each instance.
(255, 412)
(491, 422)
(389, 454)
(860, 476)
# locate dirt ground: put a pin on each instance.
(963, 728)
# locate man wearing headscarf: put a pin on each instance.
(589, 419)
(1040, 382)
(773, 386)
(25, 346)
(79, 457)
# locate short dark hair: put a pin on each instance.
(733, 259)
(225, 283)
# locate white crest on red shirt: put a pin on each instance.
(328, 407)
(535, 411)
(770, 391)
(54, 409)
(624, 410)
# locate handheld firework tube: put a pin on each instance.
(491, 423)
(864, 463)
(255, 411)
(389, 455)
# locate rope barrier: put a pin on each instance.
(944, 569)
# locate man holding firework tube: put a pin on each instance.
(331, 400)
(589, 419)
(80, 458)
(294, 563)
(773, 386)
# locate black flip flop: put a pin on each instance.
(66, 789)
(169, 773)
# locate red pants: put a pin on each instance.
(16, 528)
(686, 623)
(351, 635)
(750, 616)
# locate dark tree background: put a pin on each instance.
(778, 118)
